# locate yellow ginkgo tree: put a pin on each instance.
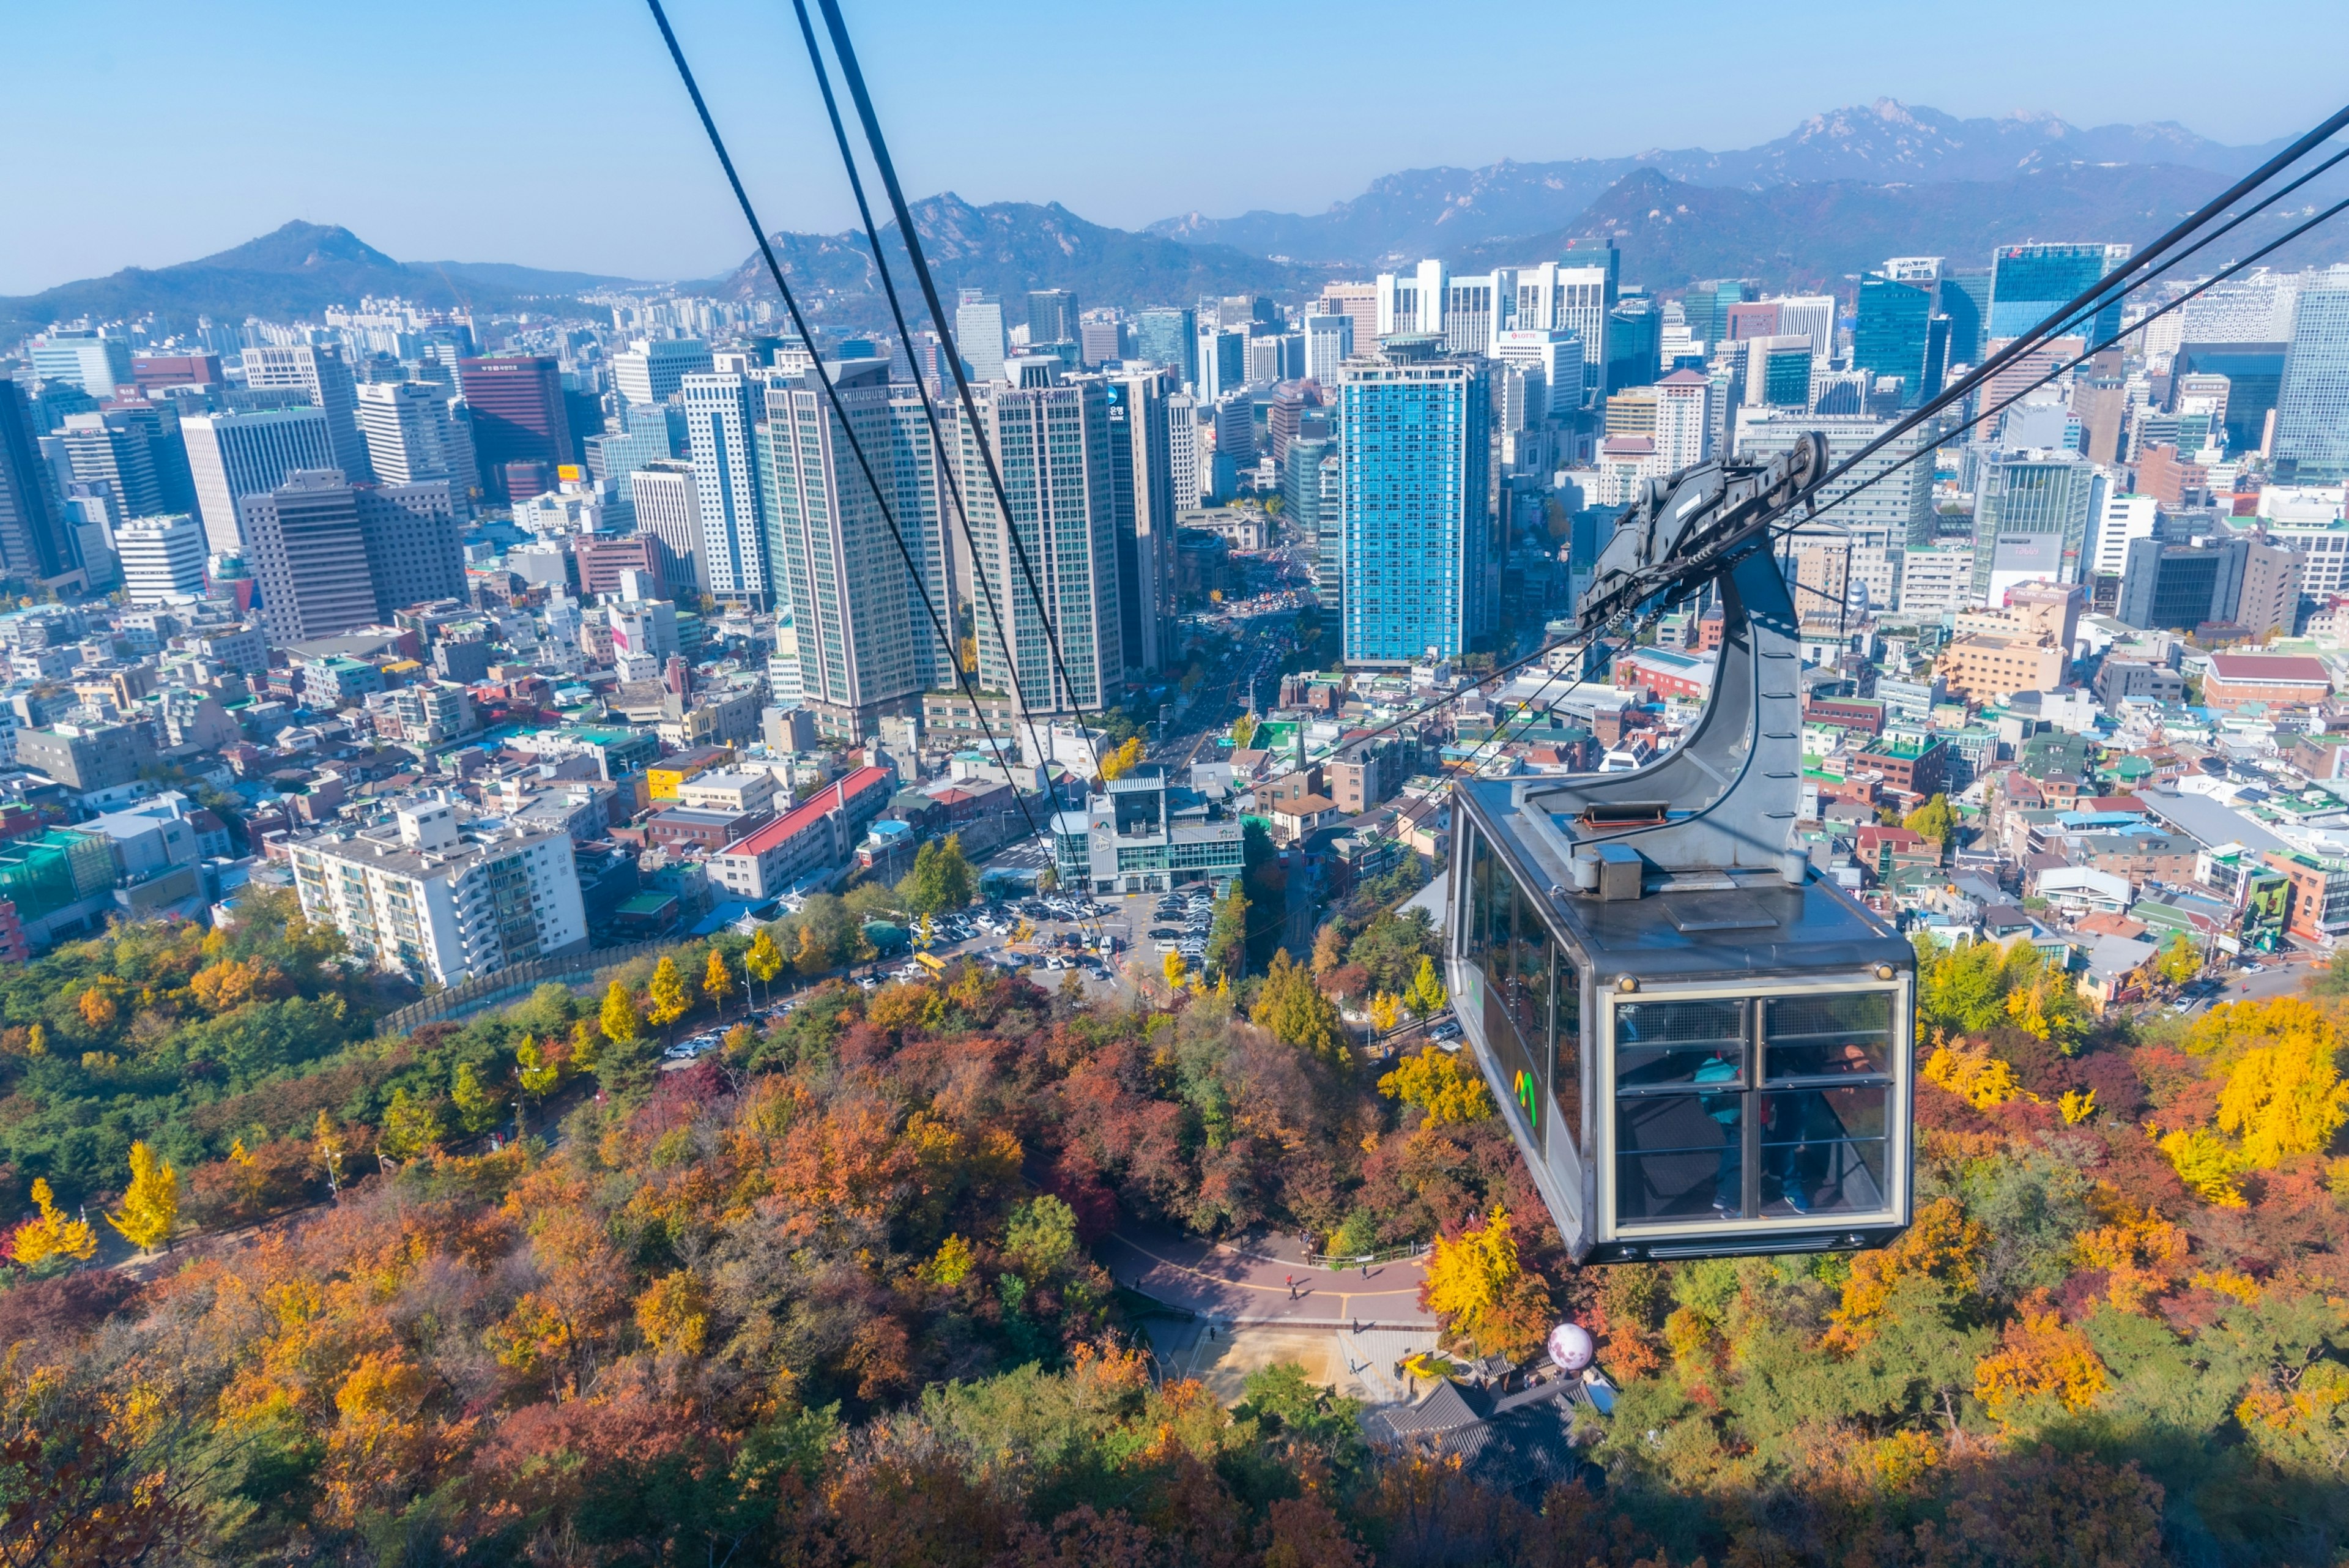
(49, 1234)
(151, 1205)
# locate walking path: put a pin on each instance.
(1265, 1282)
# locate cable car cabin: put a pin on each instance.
(1701, 1047)
(1717, 1069)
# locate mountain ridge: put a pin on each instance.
(299, 268)
(1414, 213)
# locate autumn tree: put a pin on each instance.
(1293, 1008)
(763, 960)
(1486, 1300)
(151, 1205)
(1329, 949)
(411, 1125)
(1426, 996)
(98, 1008)
(2179, 962)
(619, 1019)
(49, 1235)
(1172, 965)
(1934, 820)
(1436, 1083)
(1243, 730)
(717, 982)
(664, 998)
(1122, 761)
(537, 1069)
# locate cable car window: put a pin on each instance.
(1566, 1054)
(1680, 1111)
(1826, 1036)
(1529, 978)
(1823, 1150)
(1681, 1156)
(1660, 1043)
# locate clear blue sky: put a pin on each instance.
(555, 134)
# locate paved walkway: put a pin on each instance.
(1252, 1283)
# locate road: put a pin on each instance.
(1264, 1280)
(2281, 974)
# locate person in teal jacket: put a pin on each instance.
(1728, 1186)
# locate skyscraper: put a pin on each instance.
(2028, 283)
(650, 433)
(1358, 302)
(1311, 483)
(668, 507)
(99, 366)
(1053, 446)
(1223, 364)
(1684, 421)
(651, 370)
(1635, 336)
(114, 454)
(1142, 482)
(1555, 355)
(162, 559)
(1182, 448)
(867, 643)
(1169, 336)
(2311, 414)
(31, 529)
(1052, 316)
(413, 436)
(236, 455)
(2032, 517)
(721, 413)
(1329, 342)
(1415, 496)
(979, 335)
(1474, 310)
(1892, 332)
(1235, 428)
(320, 370)
(329, 555)
(519, 416)
(1411, 303)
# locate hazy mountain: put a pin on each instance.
(297, 271)
(1817, 233)
(1006, 248)
(1431, 211)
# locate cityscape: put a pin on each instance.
(1634, 860)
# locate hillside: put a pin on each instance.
(1007, 248)
(297, 270)
(1433, 211)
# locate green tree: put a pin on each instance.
(537, 1070)
(1227, 936)
(1243, 730)
(941, 878)
(477, 1108)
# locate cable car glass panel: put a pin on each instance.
(1680, 1110)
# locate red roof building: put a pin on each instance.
(2277, 679)
(814, 836)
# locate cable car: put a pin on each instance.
(1702, 1048)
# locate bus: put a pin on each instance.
(931, 961)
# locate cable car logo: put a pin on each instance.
(1527, 1098)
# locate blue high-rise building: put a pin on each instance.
(1893, 330)
(1414, 498)
(1169, 337)
(2311, 414)
(2028, 283)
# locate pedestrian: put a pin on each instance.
(1291, 1282)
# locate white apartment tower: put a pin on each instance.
(439, 893)
(721, 413)
(651, 371)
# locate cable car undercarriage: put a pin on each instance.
(1701, 1048)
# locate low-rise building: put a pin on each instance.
(2276, 679)
(811, 838)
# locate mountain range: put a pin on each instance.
(1838, 194)
(1432, 212)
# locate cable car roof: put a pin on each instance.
(1690, 926)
